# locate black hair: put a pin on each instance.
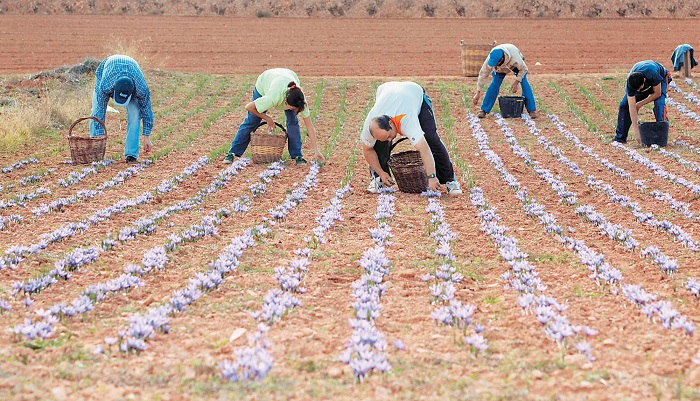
(295, 97)
(635, 80)
(502, 60)
(383, 122)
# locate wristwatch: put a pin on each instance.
(431, 176)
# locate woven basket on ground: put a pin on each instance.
(87, 150)
(408, 170)
(266, 147)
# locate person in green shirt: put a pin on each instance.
(276, 88)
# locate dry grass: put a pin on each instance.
(135, 49)
(49, 111)
(49, 115)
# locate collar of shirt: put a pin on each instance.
(397, 122)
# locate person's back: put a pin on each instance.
(649, 68)
(268, 78)
(399, 98)
(114, 67)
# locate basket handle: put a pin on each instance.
(263, 122)
(396, 143)
(70, 130)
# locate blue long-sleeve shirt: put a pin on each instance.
(110, 70)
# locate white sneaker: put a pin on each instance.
(453, 188)
(374, 185)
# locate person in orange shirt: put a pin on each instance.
(403, 108)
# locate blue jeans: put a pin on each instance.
(444, 170)
(251, 122)
(495, 87)
(133, 126)
(624, 121)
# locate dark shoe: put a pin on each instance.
(533, 114)
(301, 160)
(481, 114)
(622, 141)
(131, 159)
(229, 158)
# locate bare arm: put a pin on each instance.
(652, 97)
(312, 137)
(373, 161)
(634, 106)
(250, 107)
(428, 162)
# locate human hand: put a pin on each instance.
(514, 87)
(433, 184)
(638, 134)
(147, 145)
(475, 99)
(270, 123)
(319, 156)
(386, 179)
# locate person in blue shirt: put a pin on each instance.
(646, 83)
(120, 78)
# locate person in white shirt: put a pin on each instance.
(403, 108)
(501, 60)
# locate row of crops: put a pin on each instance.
(563, 245)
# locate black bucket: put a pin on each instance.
(511, 106)
(654, 133)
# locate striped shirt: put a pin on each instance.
(110, 70)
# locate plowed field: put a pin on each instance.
(573, 260)
(337, 47)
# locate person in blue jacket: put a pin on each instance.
(647, 82)
(120, 78)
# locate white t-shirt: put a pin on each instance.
(402, 102)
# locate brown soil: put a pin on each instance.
(636, 359)
(463, 9)
(383, 48)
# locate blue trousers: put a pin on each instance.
(133, 126)
(251, 122)
(443, 165)
(624, 121)
(495, 86)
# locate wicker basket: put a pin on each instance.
(87, 150)
(266, 147)
(473, 57)
(408, 170)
